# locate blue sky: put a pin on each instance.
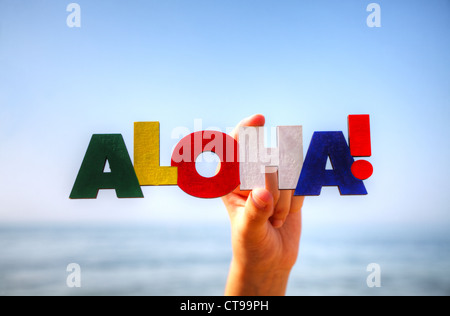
(307, 63)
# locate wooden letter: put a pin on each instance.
(147, 156)
(314, 174)
(225, 181)
(91, 177)
(255, 158)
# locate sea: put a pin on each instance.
(192, 259)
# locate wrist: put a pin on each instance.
(245, 280)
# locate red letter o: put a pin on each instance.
(190, 147)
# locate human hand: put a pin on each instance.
(266, 228)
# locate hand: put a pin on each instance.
(265, 227)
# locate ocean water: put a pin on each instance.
(193, 260)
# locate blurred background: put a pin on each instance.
(309, 63)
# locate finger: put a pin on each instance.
(271, 177)
(282, 209)
(297, 203)
(254, 120)
(258, 209)
(293, 226)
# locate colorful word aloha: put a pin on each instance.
(243, 163)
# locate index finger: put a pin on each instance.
(254, 120)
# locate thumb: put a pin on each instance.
(259, 208)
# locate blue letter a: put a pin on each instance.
(314, 174)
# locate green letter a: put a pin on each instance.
(91, 177)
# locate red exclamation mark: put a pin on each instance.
(359, 140)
